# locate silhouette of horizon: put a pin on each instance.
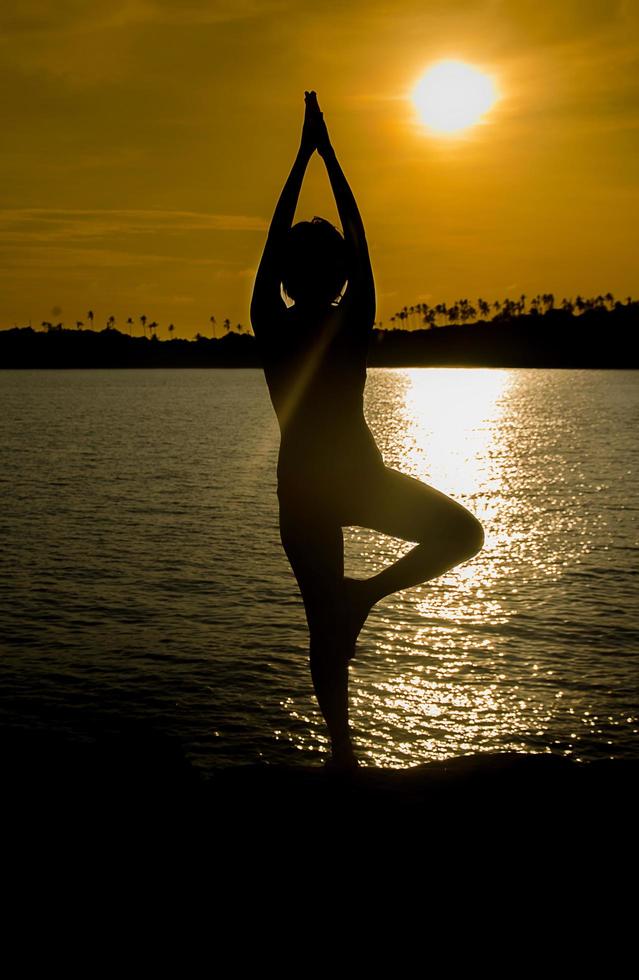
(597, 337)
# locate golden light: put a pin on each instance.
(452, 96)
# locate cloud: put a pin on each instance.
(560, 21)
(39, 225)
(64, 16)
(73, 241)
(96, 41)
(75, 261)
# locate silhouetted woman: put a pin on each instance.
(330, 472)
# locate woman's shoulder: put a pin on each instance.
(270, 331)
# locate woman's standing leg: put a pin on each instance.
(314, 545)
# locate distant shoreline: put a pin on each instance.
(598, 338)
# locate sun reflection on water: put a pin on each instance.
(463, 663)
(447, 431)
(449, 420)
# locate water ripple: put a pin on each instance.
(142, 575)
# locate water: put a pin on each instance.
(142, 577)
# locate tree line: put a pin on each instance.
(422, 316)
(419, 316)
(146, 324)
(595, 333)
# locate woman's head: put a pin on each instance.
(314, 268)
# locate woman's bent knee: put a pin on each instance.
(470, 535)
(461, 530)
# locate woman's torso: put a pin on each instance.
(315, 369)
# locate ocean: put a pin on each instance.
(143, 582)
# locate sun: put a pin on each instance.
(452, 96)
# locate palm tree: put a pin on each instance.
(227, 324)
(440, 310)
(110, 324)
(130, 323)
(213, 322)
(90, 316)
(464, 311)
(153, 327)
(79, 324)
(143, 322)
(170, 328)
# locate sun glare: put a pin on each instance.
(452, 96)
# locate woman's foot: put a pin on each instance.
(341, 760)
(333, 765)
(357, 606)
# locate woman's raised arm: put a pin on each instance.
(361, 285)
(267, 300)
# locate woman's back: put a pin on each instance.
(315, 369)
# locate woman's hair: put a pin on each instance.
(314, 263)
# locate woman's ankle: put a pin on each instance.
(343, 754)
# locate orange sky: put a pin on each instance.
(146, 143)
